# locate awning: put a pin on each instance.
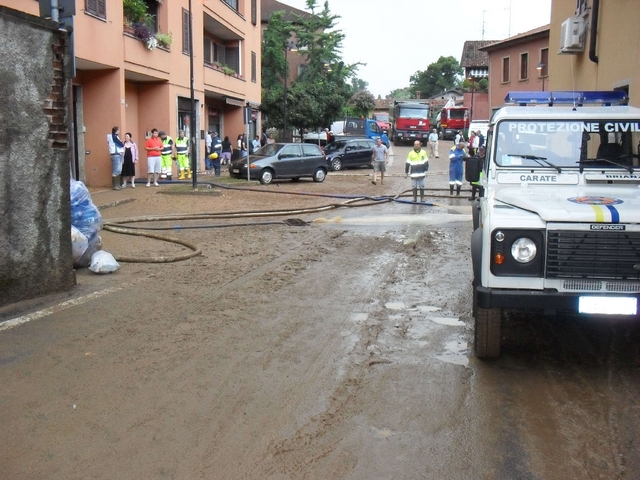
(235, 102)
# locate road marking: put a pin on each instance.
(63, 306)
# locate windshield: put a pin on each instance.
(422, 112)
(381, 117)
(334, 146)
(568, 143)
(457, 113)
(268, 150)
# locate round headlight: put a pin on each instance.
(523, 250)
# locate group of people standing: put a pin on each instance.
(417, 163)
(124, 156)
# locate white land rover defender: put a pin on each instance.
(557, 227)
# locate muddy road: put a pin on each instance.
(337, 350)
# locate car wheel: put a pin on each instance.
(266, 177)
(319, 175)
(487, 332)
(336, 164)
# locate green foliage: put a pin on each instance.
(361, 103)
(165, 39)
(438, 77)
(134, 10)
(228, 70)
(358, 84)
(318, 95)
(400, 93)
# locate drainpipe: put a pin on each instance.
(594, 30)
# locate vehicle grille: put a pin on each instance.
(593, 255)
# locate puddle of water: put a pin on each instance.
(453, 321)
(427, 308)
(422, 218)
(359, 316)
(395, 305)
(453, 354)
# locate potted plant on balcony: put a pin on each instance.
(164, 39)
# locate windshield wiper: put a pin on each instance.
(535, 158)
(606, 160)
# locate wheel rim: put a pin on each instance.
(336, 164)
(319, 175)
(267, 177)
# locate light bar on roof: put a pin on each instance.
(567, 98)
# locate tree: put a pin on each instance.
(318, 95)
(361, 103)
(400, 93)
(438, 77)
(358, 84)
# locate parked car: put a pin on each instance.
(348, 152)
(282, 160)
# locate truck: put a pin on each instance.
(382, 119)
(409, 121)
(364, 127)
(557, 225)
(452, 119)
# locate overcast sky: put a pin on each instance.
(397, 38)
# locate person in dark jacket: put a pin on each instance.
(417, 166)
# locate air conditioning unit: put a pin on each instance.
(572, 35)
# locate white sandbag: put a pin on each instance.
(103, 262)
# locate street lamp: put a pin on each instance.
(540, 67)
(290, 46)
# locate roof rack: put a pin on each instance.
(576, 98)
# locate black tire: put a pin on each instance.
(319, 175)
(487, 332)
(336, 164)
(266, 176)
(295, 179)
(475, 214)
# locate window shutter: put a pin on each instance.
(231, 57)
(207, 50)
(254, 12)
(185, 31)
(92, 6)
(254, 62)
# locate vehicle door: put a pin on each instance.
(351, 153)
(313, 158)
(290, 162)
(366, 149)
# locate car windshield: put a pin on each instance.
(458, 113)
(381, 117)
(420, 112)
(568, 143)
(335, 146)
(268, 150)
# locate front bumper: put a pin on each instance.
(237, 171)
(411, 134)
(534, 299)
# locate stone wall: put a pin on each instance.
(35, 151)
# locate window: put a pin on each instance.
(524, 66)
(254, 68)
(254, 12)
(232, 58)
(232, 3)
(96, 7)
(544, 60)
(505, 70)
(186, 47)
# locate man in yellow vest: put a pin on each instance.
(167, 154)
(182, 149)
(417, 166)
